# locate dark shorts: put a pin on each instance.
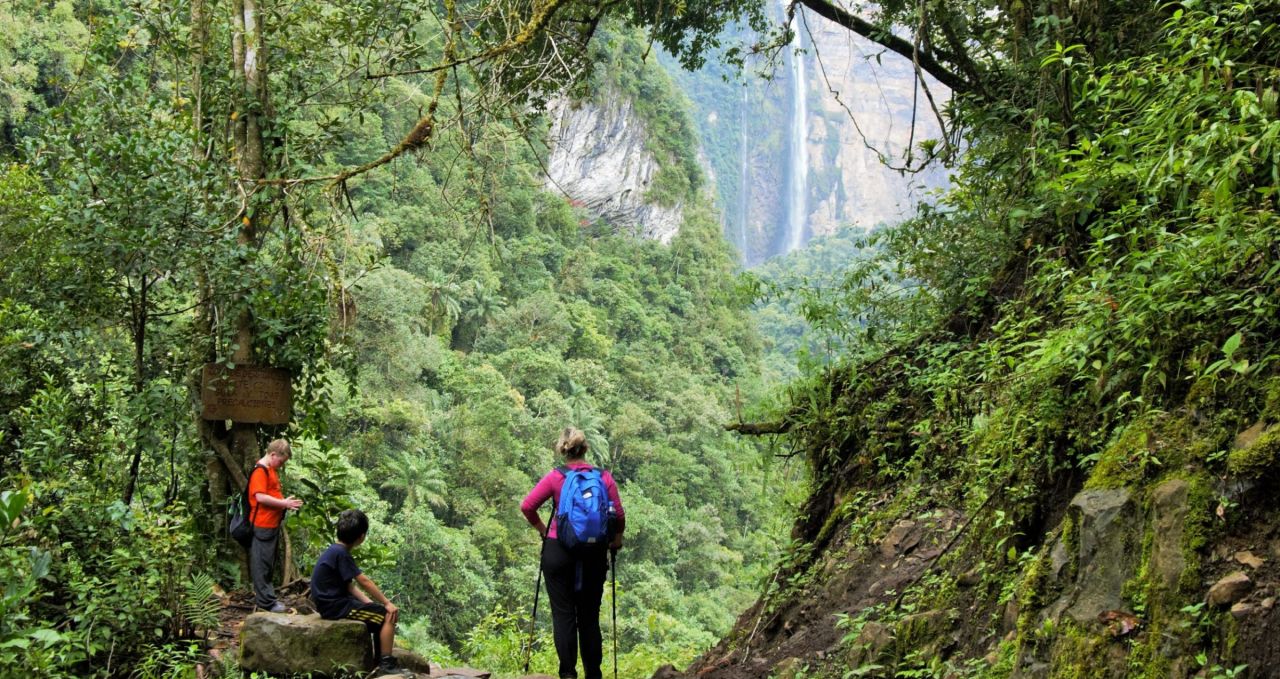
(371, 614)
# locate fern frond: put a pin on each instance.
(200, 606)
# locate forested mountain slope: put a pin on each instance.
(1044, 446)
(444, 317)
(473, 352)
(1050, 449)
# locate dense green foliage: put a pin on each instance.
(1093, 305)
(474, 354)
(803, 309)
(444, 318)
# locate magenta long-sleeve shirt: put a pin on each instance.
(549, 487)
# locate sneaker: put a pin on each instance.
(277, 607)
(388, 664)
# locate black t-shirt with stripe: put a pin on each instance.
(331, 582)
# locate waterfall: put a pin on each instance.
(798, 163)
(744, 180)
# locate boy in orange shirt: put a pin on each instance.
(267, 505)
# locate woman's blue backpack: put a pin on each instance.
(584, 513)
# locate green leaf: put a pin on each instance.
(11, 505)
(1232, 344)
(40, 562)
(47, 636)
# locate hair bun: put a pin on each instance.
(572, 443)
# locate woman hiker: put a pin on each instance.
(575, 575)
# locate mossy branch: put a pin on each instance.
(541, 17)
(759, 428)
(423, 131)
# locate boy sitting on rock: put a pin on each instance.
(336, 585)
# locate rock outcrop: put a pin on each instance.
(1098, 555)
(279, 643)
(599, 160)
(1169, 505)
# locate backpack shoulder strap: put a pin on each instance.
(249, 481)
(249, 484)
(555, 500)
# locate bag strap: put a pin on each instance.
(564, 472)
(248, 485)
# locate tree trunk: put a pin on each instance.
(224, 477)
(235, 448)
(241, 441)
(199, 40)
(138, 326)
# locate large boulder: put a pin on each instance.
(279, 643)
(1104, 554)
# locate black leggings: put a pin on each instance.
(575, 587)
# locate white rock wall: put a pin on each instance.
(598, 159)
(878, 95)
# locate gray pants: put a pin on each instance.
(262, 561)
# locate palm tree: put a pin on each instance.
(582, 408)
(444, 304)
(417, 478)
(482, 306)
(485, 304)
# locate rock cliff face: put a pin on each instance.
(858, 110)
(599, 161)
(860, 116)
(857, 128)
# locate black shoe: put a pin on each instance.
(388, 664)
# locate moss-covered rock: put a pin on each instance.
(1169, 506)
(278, 643)
(1109, 528)
(1258, 456)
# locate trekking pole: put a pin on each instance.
(613, 575)
(537, 589)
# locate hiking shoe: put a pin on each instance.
(388, 664)
(277, 607)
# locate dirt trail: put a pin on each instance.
(850, 579)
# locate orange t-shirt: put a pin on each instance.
(265, 480)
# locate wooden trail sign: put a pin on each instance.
(246, 393)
